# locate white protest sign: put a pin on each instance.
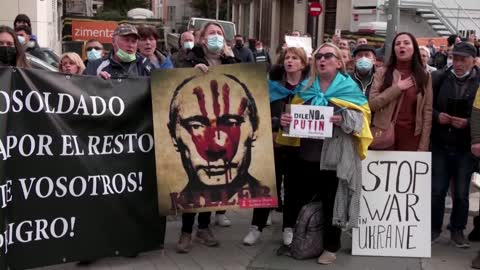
(300, 42)
(310, 122)
(395, 205)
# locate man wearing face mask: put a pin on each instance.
(261, 55)
(94, 50)
(24, 34)
(365, 59)
(454, 91)
(242, 53)
(186, 43)
(123, 61)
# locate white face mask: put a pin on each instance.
(188, 45)
(462, 76)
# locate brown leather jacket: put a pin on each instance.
(383, 105)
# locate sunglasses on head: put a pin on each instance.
(327, 56)
(96, 48)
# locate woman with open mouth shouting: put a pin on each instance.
(401, 98)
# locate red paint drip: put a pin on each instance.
(226, 99)
(242, 106)
(218, 141)
(201, 100)
(215, 95)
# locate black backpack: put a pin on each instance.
(308, 232)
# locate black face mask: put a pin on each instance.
(8, 55)
(238, 44)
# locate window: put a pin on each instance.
(171, 13)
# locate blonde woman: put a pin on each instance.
(330, 170)
(71, 63)
(425, 55)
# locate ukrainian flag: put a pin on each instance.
(343, 92)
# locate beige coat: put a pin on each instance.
(383, 105)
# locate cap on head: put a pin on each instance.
(125, 30)
(464, 49)
(363, 48)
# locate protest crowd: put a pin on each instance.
(420, 99)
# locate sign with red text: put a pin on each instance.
(395, 205)
(310, 122)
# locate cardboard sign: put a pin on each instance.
(310, 122)
(395, 205)
(300, 42)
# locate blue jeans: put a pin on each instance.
(458, 165)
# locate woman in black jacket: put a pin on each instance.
(211, 50)
(283, 83)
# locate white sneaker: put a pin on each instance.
(222, 220)
(287, 236)
(269, 219)
(252, 237)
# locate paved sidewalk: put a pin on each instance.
(233, 255)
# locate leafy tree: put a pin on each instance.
(207, 8)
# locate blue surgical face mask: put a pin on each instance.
(215, 43)
(188, 45)
(21, 39)
(94, 55)
(460, 77)
(364, 64)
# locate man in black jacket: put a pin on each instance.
(454, 91)
(365, 59)
(242, 53)
(261, 55)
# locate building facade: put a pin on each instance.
(174, 13)
(270, 20)
(44, 15)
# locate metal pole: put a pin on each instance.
(458, 16)
(228, 10)
(393, 16)
(217, 10)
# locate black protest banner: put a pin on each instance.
(395, 205)
(77, 168)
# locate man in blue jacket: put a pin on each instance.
(123, 61)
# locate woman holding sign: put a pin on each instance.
(401, 98)
(283, 84)
(211, 50)
(329, 170)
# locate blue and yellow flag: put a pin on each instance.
(343, 92)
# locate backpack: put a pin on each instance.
(308, 232)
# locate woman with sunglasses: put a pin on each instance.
(406, 85)
(94, 50)
(333, 163)
(283, 84)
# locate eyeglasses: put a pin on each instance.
(91, 48)
(327, 56)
